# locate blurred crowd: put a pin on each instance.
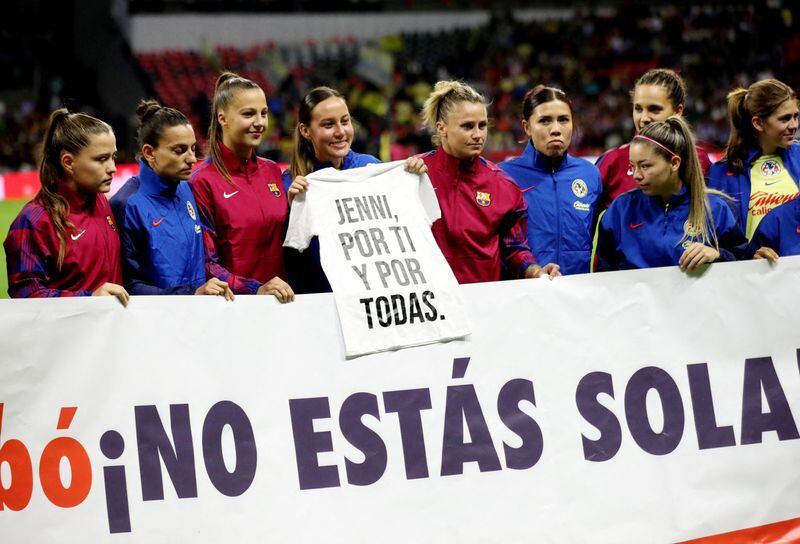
(594, 56)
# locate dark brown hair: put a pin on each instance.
(669, 80)
(303, 151)
(542, 94)
(154, 119)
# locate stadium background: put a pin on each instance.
(101, 56)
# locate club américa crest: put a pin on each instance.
(579, 188)
(770, 168)
(692, 234)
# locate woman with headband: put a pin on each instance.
(658, 94)
(671, 218)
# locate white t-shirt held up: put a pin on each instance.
(392, 285)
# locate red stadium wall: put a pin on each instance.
(24, 185)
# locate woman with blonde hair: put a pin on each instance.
(482, 232)
(671, 218)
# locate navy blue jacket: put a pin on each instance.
(779, 230)
(304, 269)
(161, 234)
(640, 231)
(737, 185)
(562, 197)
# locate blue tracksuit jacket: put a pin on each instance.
(780, 230)
(640, 231)
(562, 197)
(161, 234)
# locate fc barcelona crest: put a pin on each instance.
(484, 199)
(110, 223)
(273, 188)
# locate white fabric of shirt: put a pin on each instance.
(364, 218)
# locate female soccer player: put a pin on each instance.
(162, 239)
(670, 219)
(658, 94)
(322, 139)
(561, 190)
(482, 229)
(240, 195)
(64, 242)
(761, 168)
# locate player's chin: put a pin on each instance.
(474, 151)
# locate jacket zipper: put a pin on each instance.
(558, 217)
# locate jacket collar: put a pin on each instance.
(235, 164)
(153, 184)
(756, 152)
(77, 201)
(347, 162)
(676, 199)
(452, 164)
(542, 162)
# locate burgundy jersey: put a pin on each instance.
(484, 218)
(246, 219)
(92, 255)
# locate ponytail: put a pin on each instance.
(673, 137)
(228, 83)
(442, 101)
(68, 132)
(760, 100)
(742, 136)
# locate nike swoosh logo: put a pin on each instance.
(768, 183)
(636, 226)
(157, 223)
(228, 195)
(76, 236)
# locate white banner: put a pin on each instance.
(643, 406)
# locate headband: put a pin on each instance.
(659, 144)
